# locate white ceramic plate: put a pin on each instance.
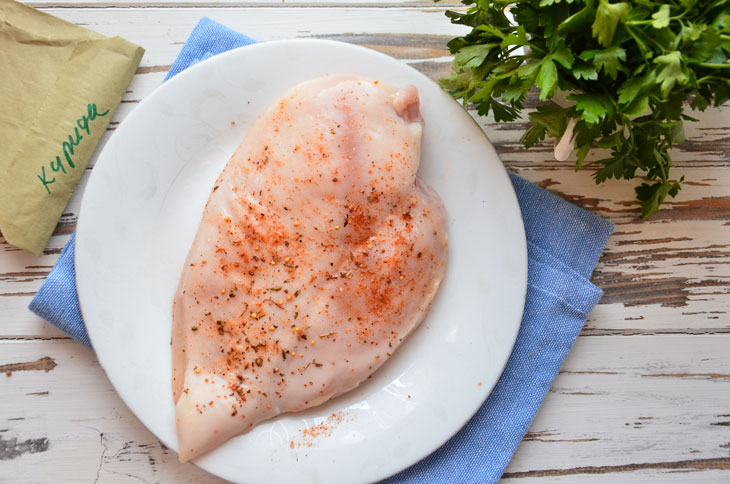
(140, 213)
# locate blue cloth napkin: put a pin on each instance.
(564, 243)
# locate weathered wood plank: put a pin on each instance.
(617, 408)
(213, 4)
(638, 407)
(706, 471)
(163, 31)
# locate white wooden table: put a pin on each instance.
(643, 397)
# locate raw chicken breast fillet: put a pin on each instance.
(318, 252)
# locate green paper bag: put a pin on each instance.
(59, 87)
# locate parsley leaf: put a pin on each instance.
(672, 72)
(607, 60)
(564, 57)
(474, 55)
(637, 107)
(526, 15)
(607, 17)
(546, 120)
(547, 78)
(661, 17)
(585, 71)
(593, 107)
(519, 37)
(653, 195)
(632, 87)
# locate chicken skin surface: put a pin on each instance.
(318, 252)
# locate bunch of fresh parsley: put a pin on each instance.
(629, 68)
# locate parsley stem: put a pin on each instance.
(647, 38)
(660, 159)
(536, 48)
(712, 65)
(705, 79)
(639, 43)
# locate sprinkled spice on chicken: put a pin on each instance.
(318, 252)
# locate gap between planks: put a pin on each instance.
(431, 6)
(721, 463)
(619, 333)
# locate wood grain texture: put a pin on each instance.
(643, 397)
(623, 420)
(213, 4)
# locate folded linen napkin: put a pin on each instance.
(564, 243)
